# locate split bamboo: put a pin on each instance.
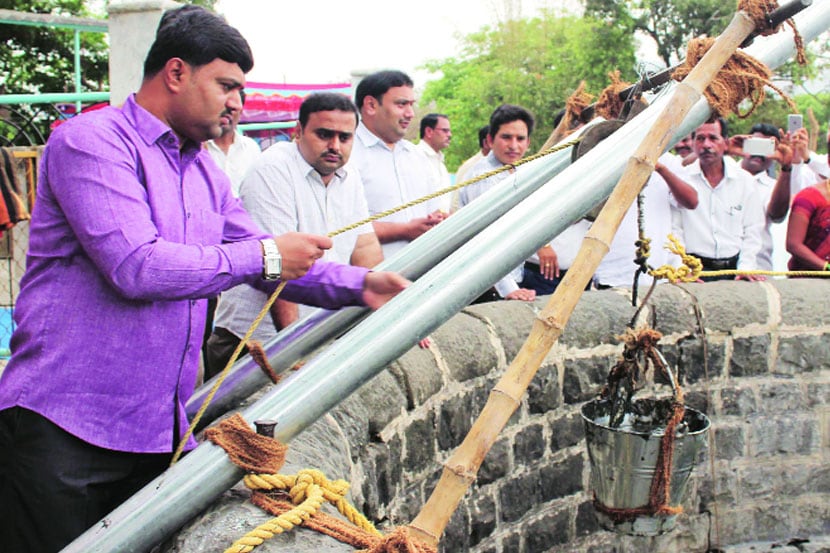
(462, 467)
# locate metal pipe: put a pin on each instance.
(53, 97)
(165, 504)
(305, 336)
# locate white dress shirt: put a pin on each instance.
(728, 220)
(439, 172)
(391, 178)
(617, 268)
(283, 193)
(242, 153)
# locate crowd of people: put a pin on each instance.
(148, 211)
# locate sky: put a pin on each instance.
(324, 41)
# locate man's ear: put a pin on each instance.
(176, 72)
(370, 104)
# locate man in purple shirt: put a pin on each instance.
(133, 228)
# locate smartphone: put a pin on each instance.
(759, 146)
(794, 122)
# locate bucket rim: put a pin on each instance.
(686, 409)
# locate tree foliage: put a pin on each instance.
(536, 63)
(40, 59)
(671, 24)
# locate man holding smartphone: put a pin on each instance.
(774, 191)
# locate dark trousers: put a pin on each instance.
(712, 264)
(218, 350)
(54, 486)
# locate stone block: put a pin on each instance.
(597, 319)
(726, 305)
(543, 394)
(586, 519)
(420, 443)
(749, 356)
(798, 301)
(512, 321)
(466, 347)
(584, 378)
(734, 526)
(529, 444)
(455, 420)
(456, 535)
(418, 376)
(561, 478)
(802, 354)
(730, 440)
(726, 491)
(673, 310)
(775, 520)
(407, 505)
(738, 400)
(566, 431)
(813, 516)
(517, 495)
(352, 416)
(787, 434)
(497, 462)
(320, 446)
(690, 365)
(387, 398)
(482, 518)
(780, 395)
(818, 394)
(700, 400)
(550, 529)
(512, 543)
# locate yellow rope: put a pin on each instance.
(221, 378)
(691, 269)
(308, 490)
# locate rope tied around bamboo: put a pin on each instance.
(297, 500)
(639, 353)
(742, 76)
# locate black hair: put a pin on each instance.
(507, 113)
(766, 129)
(724, 126)
(197, 36)
(482, 135)
(377, 84)
(430, 120)
(325, 101)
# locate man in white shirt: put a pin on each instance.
(725, 229)
(509, 138)
(618, 266)
(233, 152)
(774, 192)
(394, 171)
(435, 138)
(303, 186)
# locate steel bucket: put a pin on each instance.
(623, 462)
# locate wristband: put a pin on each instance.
(786, 168)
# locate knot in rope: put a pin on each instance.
(689, 270)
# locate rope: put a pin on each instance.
(691, 269)
(308, 490)
(267, 307)
(609, 105)
(742, 76)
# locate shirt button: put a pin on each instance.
(189, 214)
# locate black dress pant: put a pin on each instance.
(54, 486)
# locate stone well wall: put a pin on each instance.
(760, 370)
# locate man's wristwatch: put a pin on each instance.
(271, 260)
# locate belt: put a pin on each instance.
(715, 264)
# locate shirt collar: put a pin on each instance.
(151, 129)
(340, 174)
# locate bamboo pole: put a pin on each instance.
(460, 470)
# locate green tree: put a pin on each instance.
(670, 23)
(536, 63)
(41, 59)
